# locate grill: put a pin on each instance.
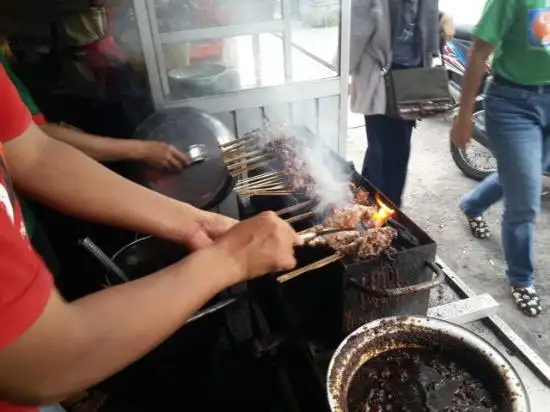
(296, 326)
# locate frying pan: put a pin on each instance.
(205, 182)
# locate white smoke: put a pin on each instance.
(330, 180)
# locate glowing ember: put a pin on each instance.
(383, 213)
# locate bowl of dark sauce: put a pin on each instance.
(420, 364)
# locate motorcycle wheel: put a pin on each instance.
(461, 160)
(466, 158)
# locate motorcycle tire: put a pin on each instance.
(461, 160)
(465, 167)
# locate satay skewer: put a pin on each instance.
(308, 268)
(239, 171)
(261, 176)
(244, 163)
(242, 156)
(251, 193)
(263, 185)
(297, 218)
(237, 142)
(294, 208)
(268, 180)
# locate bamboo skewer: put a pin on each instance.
(308, 268)
(294, 208)
(260, 177)
(299, 217)
(244, 163)
(236, 143)
(236, 172)
(242, 156)
(264, 193)
(264, 186)
(270, 181)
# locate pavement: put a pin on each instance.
(433, 187)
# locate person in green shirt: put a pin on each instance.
(518, 125)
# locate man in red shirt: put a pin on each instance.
(49, 348)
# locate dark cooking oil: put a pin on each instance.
(417, 380)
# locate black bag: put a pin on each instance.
(418, 93)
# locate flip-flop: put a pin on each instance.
(527, 300)
(479, 227)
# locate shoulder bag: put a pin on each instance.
(417, 93)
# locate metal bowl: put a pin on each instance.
(387, 334)
(202, 74)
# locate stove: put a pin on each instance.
(292, 329)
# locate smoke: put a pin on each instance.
(329, 180)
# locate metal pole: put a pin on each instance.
(344, 49)
(149, 52)
(287, 38)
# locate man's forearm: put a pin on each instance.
(102, 149)
(96, 336)
(66, 179)
(475, 72)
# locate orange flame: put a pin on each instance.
(383, 213)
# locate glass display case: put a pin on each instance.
(250, 60)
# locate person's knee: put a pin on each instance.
(520, 211)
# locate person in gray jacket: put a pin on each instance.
(396, 34)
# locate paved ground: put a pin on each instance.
(433, 187)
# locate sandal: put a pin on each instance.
(479, 227)
(91, 401)
(527, 300)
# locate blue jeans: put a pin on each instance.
(518, 127)
(387, 157)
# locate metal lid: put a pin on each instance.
(205, 182)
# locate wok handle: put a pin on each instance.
(406, 290)
(212, 309)
(96, 252)
(196, 153)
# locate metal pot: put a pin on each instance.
(383, 335)
(143, 257)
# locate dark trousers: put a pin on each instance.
(387, 156)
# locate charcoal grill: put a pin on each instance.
(328, 303)
(298, 325)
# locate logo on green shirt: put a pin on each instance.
(538, 28)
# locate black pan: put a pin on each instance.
(204, 183)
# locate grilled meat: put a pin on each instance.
(354, 217)
(335, 239)
(361, 244)
(295, 169)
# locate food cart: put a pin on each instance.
(248, 61)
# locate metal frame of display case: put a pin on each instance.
(152, 40)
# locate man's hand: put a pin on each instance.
(461, 132)
(163, 155)
(260, 245)
(205, 229)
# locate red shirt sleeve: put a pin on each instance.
(25, 283)
(15, 118)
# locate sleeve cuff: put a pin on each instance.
(39, 119)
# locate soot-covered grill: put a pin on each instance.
(313, 309)
(297, 321)
(396, 282)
